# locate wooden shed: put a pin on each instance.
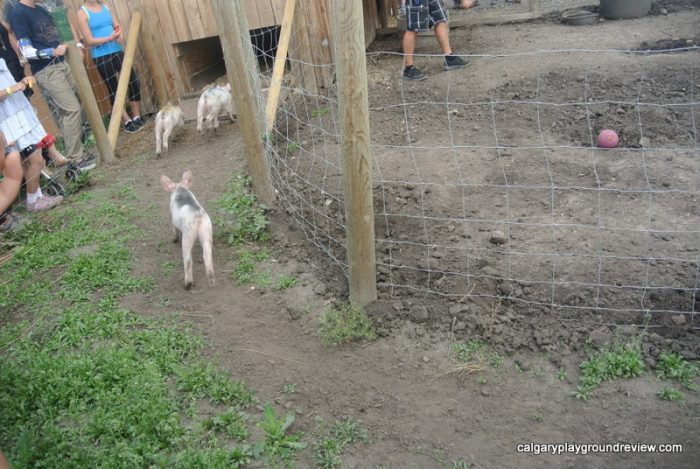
(184, 52)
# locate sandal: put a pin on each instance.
(10, 223)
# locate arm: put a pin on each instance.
(15, 47)
(31, 53)
(23, 31)
(17, 87)
(88, 38)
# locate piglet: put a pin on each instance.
(214, 99)
(167, 119)
(190, 222)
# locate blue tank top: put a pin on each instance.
(101, 26)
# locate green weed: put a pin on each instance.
(461, 464)
(561, 374)
(347, 324)
(670, 394)
(240, 217)
(674, 366)
(293, 146)
(286, 281)
(279, 447)
(328, 448)
(231, 423)
(623, 361)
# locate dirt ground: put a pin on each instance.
(397, 387)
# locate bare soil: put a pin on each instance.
(417, 414)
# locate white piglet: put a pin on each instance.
(167, 119)
(190, 222)
(214, 100)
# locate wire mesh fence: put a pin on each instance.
(502, 191)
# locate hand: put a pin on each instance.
(29, 81)
(59, 51)
(20, 86)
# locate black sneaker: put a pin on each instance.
(452, 62)
(131, 128)
(413, 73)
(137, 122)
(87, 163)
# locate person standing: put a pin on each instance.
(102, 33)
(38, 40)
(421, 15)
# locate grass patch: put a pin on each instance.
(328, 448)
(231, 424)
(476, 352)
(240, 217)
(622, 361)
(286, 281)
(293, 146)
(246, 271)
(85, 383)
(346, 324)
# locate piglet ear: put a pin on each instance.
(186, 179)
(228, 86)
(167, 184)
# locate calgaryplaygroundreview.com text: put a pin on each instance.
(586, 448)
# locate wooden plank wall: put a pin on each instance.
(170, 22)
(312, 39)
(173, 21)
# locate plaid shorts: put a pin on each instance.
(425, 15)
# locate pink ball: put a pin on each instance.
(608, 139)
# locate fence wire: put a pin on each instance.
(501, 191)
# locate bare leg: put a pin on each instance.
(11, 168)
(56, 156)
(409, 47)
(33, 166)
(135, 108)
(442, 34)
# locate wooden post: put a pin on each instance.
(278, 67)
(88, 101)
(124, 73)
(351, 70)
(242, 71)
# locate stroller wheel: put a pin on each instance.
(54, 189)
(72, 172)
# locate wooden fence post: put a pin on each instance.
(279, 66)
(351, 71)
(124, 74)
(242, 69)
(87, 99)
